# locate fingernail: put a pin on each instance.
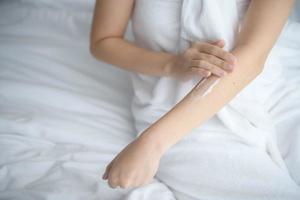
(104, 176)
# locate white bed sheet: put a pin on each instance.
(64, 115)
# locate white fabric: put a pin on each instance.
(245, 120)
(64, 116)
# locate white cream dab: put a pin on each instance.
(200, 92)
(211, 87)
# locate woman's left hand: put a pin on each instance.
(134, 166)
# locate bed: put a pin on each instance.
(63, 114)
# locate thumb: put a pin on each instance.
(105, 175)
(219, 43)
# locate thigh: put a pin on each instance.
(214, 165)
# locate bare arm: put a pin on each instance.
(107, 43)
(137, 163)
(255, 41)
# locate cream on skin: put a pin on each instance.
(204, 87)
(138, 162)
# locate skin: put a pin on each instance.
(138, 162)
(108, 45)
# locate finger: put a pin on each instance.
(106, 171)
(113, 179)
(125, 185)
(136, 183)
(193, 54)
(219, 43)
(113, 183)
(216, 61)
(105, 175)
(209, 67)
(199, 71)
(188, 74)
(186, 77)
(215, 50)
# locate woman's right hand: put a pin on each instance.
(202, 59)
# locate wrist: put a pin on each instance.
(150, 138)
(169, 65)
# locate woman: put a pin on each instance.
(226, 73)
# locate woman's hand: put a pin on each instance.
(202, 59)
(134, 166)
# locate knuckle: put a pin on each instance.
(124, 184)
(221, 64)
(193, 51)
(189, 70)
(224, 55)
(113, 183)
(218, 62)
(113, 180)
(188, 53)
(191, 64)
(206, 72)
(224, 65)
(210, 58)
(210, 67)
(213, 51)
(201, 63)
(126, 177)
(201, 71)
(196, 44)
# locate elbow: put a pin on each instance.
(260, 65)
(256, 69)
(92, 49)
(100, 48)
(259, 69)
(96, 48)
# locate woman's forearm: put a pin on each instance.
(202, 102)
(107, 43)
(126, 55)
(255, 41)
